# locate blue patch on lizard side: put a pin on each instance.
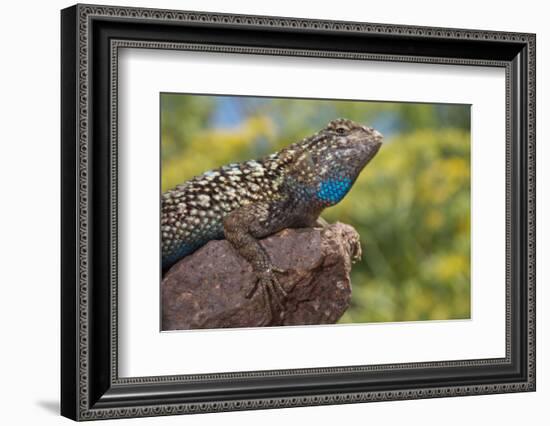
(190, 246)
(331, 191)
(180, 252)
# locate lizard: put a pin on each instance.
(247, 201)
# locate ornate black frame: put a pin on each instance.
(91, 37)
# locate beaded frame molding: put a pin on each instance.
(91, 38)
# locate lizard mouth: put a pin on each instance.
(376, 139)
(360, 153)
(372, 143)
(369, 147)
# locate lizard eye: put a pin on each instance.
(340, 130)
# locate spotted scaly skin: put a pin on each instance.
(244, 202)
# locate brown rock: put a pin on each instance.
(208, 288)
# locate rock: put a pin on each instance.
(208, 288)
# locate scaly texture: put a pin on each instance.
(244, 202)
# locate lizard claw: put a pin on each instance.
(272, 291)
(280, 271)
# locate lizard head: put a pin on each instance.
(328, 162)
(345, 141)
(343, 149)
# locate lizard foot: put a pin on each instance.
(272, 291)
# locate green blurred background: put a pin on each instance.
(411, 204)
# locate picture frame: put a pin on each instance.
(91, 37)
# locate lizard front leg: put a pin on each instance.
(242, 228)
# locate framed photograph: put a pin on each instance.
(263, 212)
